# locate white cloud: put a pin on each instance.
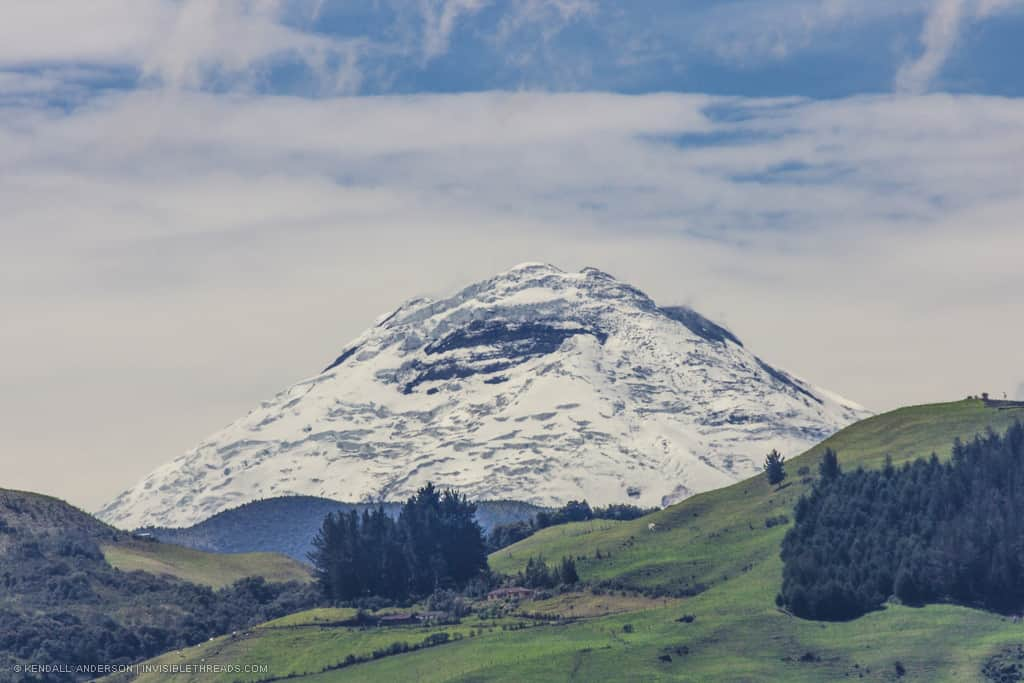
(942, 28)
(96, 32)
(171, 257)
(439, 18)
(245, 45)
(193, 48)
(188, 44)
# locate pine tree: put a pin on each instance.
(829, 468)
(567, 573)
(436, 543)
(324, 544)
(538, 575)
(774, 467)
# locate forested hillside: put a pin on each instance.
(61, 602)
(927, 531)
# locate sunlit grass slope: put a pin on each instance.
(302, 645)
(718, 534)
(211, 569)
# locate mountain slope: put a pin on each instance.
(536, 384)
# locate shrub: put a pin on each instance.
(436, 639)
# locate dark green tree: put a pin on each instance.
(925, 531)
(434, 544)
(774, 467)
(537, 574)
(829, 468)
(567, 572)
(507, 534)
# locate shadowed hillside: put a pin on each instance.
(63, 603)
(287, 524)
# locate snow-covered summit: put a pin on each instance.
(537, 384)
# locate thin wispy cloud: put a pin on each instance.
(439, 17)
(328, 48)
(942, 29)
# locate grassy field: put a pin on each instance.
(315, 617)
(587, 604)
(718, 549)
(211, 569)
(737, 635)
(302, 645)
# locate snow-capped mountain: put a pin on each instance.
(536, 385)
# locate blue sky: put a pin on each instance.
(754, 48)
(203, 202)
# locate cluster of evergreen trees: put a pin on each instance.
(925, 532)
(573, 511)
(435, 543)
(506, 534)
(580, 511)
(539, 575)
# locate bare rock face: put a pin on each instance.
(536, 385)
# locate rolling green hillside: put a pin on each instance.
(715, 557)
(307, 642)
(210, 569)
(724, 531)
(917, 431)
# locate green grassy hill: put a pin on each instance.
(210, 569)
(723, 531)
(719, 552)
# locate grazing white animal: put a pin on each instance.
(652, 526)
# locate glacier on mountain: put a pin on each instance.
(537, 385)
